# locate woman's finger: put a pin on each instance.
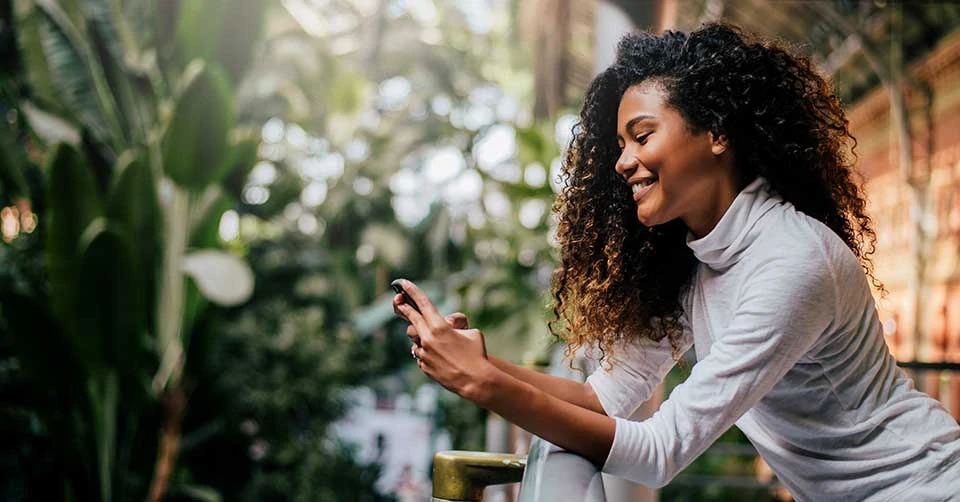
(415, 318)
(413, 335)
(429, 311)
(418, 353)
(458, 320)
(397, 301)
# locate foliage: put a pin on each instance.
(275, 372)
(135, 151)
(95, 302)
(493, 264)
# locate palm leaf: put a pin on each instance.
(37, 72)
(75, 74)
(107, 50)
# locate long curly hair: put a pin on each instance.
(619, 280)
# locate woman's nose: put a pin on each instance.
(626, 165)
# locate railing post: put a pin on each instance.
(461, 476)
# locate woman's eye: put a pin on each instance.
(642, 139)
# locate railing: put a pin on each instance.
(549, 473)
(462, 475)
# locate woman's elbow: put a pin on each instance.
(590, 399)
(663, 480)
(651, 478)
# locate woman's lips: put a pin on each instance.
(640, 193)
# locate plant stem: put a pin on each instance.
(174, 405)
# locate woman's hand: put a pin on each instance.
(457, 320)
(454, 357)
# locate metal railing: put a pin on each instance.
(460, 476)
(546, 473)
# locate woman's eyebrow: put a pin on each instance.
(632, 122)
(638, 118)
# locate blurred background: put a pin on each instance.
(202, 203)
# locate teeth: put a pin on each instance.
(643, 184)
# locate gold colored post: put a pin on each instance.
(462, 475)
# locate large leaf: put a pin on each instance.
(221, 277)
(195, 144)
(133, 205)
(205, 235)
(73, 203)
(111, 319)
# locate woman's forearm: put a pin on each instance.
(558, 421)
(565, 389)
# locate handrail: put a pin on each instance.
(556, 474)
(461, 476)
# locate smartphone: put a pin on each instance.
(406, 298)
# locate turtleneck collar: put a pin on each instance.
(723, 245)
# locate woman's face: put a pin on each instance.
(672, 171)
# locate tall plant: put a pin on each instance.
(131, 107)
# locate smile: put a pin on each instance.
(641, 188)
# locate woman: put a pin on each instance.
(710, 200)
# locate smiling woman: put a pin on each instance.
(673, 171)
(710, 201)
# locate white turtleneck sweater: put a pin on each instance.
(790, 349)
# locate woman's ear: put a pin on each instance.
(718, 143)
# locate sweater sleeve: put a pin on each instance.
(634, 371)
(784, 307)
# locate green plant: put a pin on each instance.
(136, 127)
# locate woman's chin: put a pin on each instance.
(646, 219)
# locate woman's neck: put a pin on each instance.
(701, 221)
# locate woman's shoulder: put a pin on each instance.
(793, 239)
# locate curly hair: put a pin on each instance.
(619, 280)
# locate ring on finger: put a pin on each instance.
(413, 352)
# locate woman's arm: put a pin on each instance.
(457, 360)
(574, 428)
(571, 391)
